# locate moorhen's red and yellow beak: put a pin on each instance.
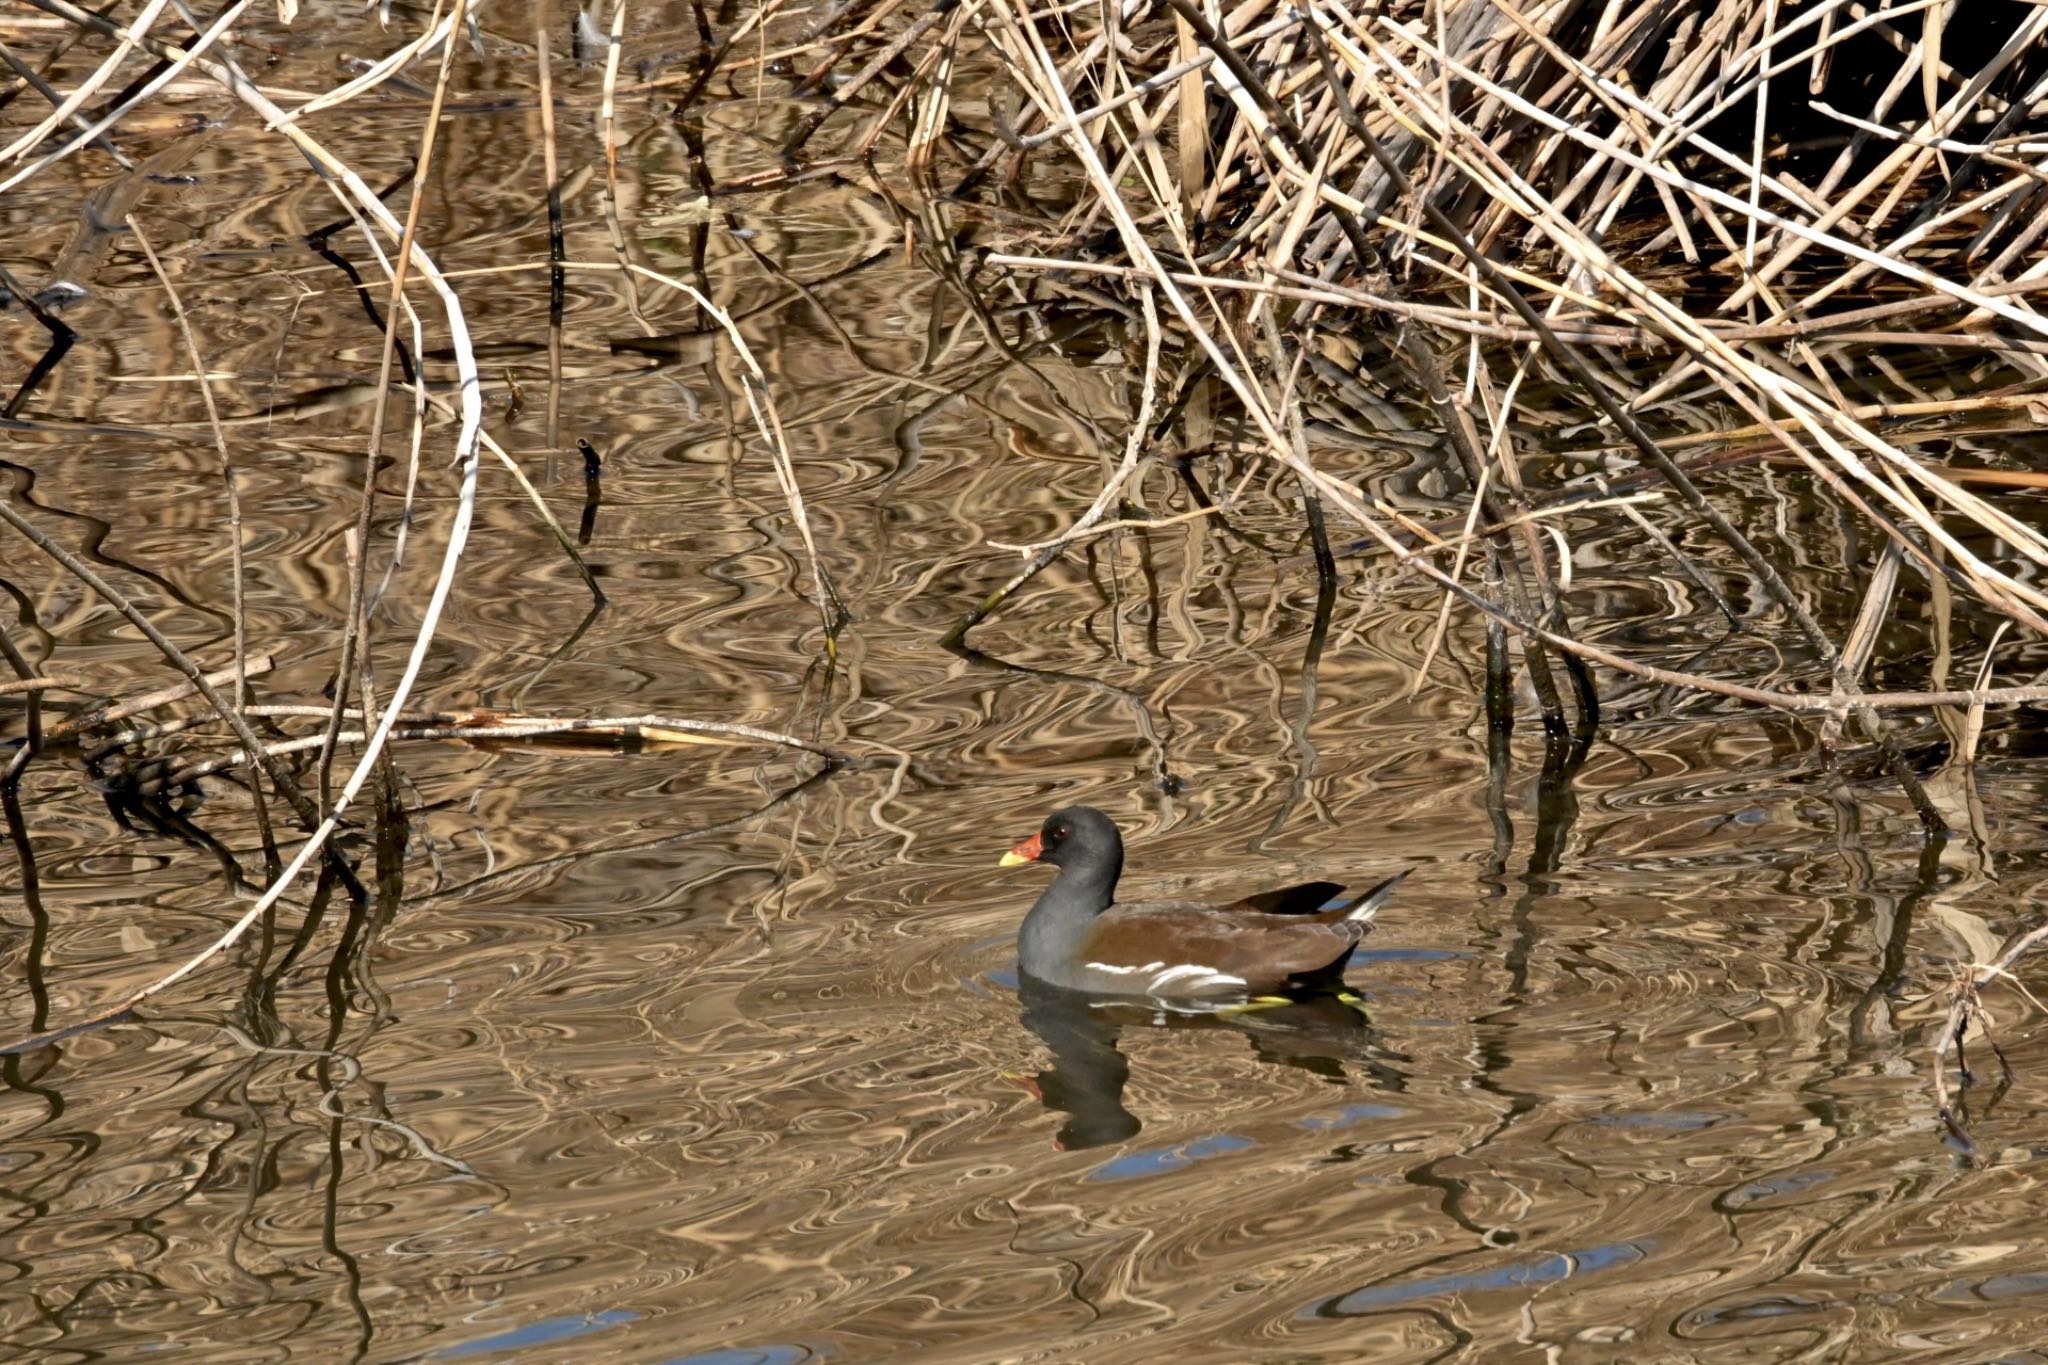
(1026, 852)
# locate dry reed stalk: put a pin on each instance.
(109, 712)
(608, 136)
(557, 251)
(234, 495)
(33, 682)
(760, 398)
(354, 640)
(511, 728)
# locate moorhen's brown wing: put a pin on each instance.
(1178, 950)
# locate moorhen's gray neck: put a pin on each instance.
(1090, 859)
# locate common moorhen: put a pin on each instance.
(1079, 937)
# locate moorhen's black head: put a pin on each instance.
(1076, 836)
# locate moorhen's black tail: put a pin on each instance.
(1359, 913)
(1367, 906)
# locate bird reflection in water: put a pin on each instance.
(1320, 1033)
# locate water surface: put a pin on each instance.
(693, 1055)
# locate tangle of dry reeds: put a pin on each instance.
(1392, 214)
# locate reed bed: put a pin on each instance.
(1347, 214)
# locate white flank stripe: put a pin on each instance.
(1191, 976)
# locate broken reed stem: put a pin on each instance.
(30, 682)
(1964, 1009)
(33, 684)
(108, 712)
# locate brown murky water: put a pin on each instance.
(692, 1056)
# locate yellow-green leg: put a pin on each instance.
(1253, 1005)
